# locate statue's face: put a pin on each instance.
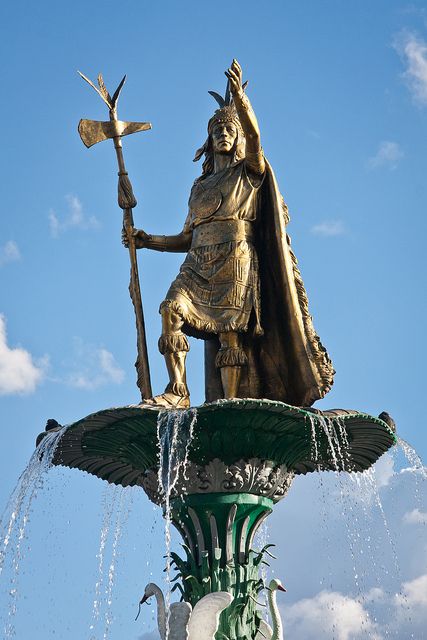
(224, 136)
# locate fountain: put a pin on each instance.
(218, 470)
(218, 473)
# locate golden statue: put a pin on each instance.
(239, 287)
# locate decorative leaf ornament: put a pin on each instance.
(111, 102)
(228, 98)
(103, 89)
(220, 100)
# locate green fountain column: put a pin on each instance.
(218, 508)
(218, 530)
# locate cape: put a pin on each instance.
(288, 362)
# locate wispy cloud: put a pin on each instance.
(415, 517)
(74, 218)
(413, 51)
(329, 228)
(9, 252)
(387, 155)
(93, 367)
(19, 372)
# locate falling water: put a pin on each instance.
(16, 515)
(336, 435)
(262, 539)
(327, 426)
(351, 519)
(392, 543)
(325, 582)
(116, 506)
(420, 474)
(365, 493)
(314, 445)
(361, 490)
(174, 432)
(413, 458)
(109, 500)
(121, 519)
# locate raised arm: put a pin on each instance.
(254, 155)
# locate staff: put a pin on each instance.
(91, 132)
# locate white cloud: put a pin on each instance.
(415, 517)
(93, 367)
(414, 52)
(19, 373)
(329, 614)
(375, 614)
(415, 591)
(410, 608)
(388, 155)
(384, 470)
(75, 218)
(9, 252)
(329, 228)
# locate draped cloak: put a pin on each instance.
(288, 362)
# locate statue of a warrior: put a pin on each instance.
(239, 287)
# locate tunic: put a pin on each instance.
(217, 289)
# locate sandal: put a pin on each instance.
(170, 401)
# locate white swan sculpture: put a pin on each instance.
(201, 623)
(185, 623)
(265, 632)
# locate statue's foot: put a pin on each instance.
(176, 396)
(170, 401)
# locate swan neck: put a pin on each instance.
(275, 617)
(161, 611)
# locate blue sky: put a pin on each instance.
(340, 90)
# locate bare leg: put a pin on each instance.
(230, 359)
(173, 344)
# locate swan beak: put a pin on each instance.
(281, 588)
(143, 599)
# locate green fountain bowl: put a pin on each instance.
(119, 445)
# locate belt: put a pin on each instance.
(218, 231)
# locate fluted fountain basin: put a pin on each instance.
(120, 445)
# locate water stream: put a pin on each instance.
(174, 432)
(124, 504)
(262, 539)
(16, 516)
(108, 500)
(417, 467)
(361, 510)
(116, 503)
(338, 449)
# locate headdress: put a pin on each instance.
(226, 113)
